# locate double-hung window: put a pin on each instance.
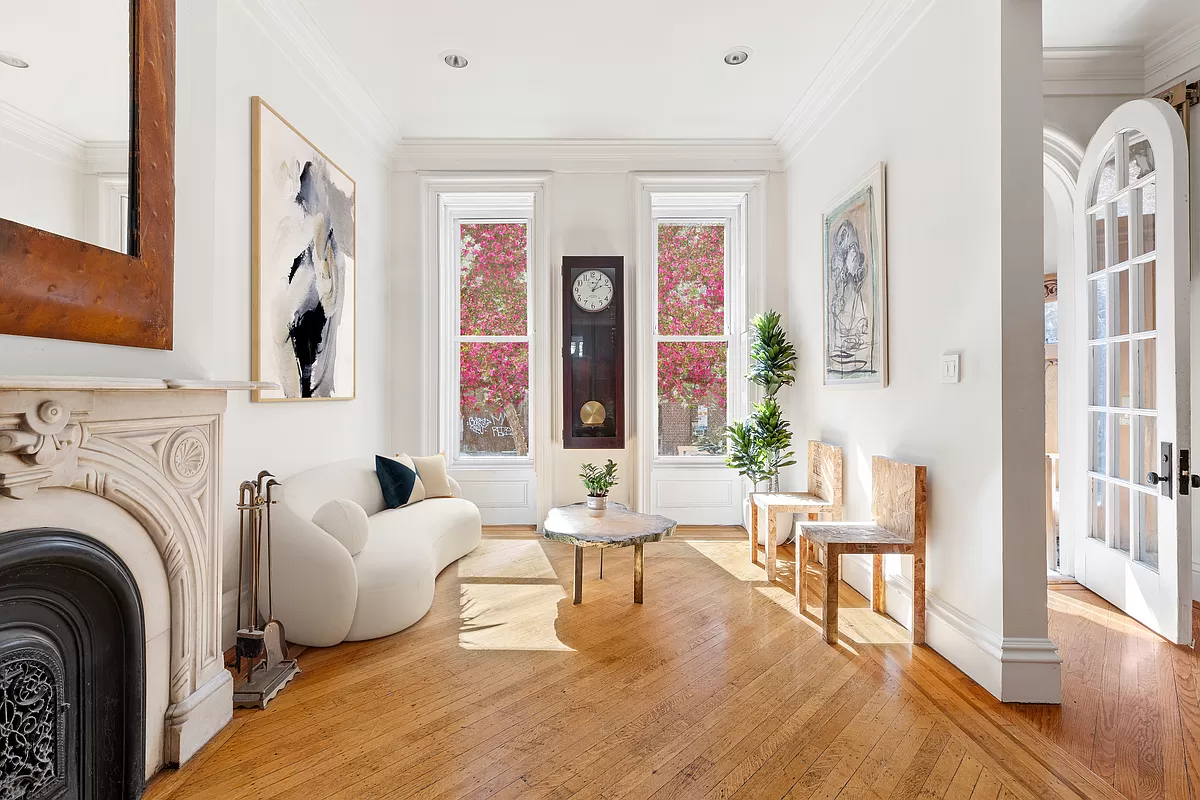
(693, 330)
(487, 255)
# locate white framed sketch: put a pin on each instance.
(854, 285)
(303, 239)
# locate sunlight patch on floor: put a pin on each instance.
(1062, 603)
(500, 558)
(733, 557)
(864, 626)
(510, 617)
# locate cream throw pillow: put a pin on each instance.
(346, 521)
(431, 471)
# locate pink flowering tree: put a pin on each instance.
(691, 302)
(494, 291)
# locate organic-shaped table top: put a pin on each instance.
(615, 526)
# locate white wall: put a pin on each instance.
(1080, 115)
(39, 191)
(589, 213)
(224, 57)
(959, 280)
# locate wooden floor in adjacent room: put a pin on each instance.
(715, 687)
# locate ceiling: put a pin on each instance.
(78, 75)
(634, 69)
(1112, 23)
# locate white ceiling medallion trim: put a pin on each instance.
(586, 155)
(1093, 71)
(884, 24)
(301, 39)
(1173, 55)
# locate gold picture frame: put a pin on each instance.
(300, 213)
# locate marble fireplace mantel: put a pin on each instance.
(153, 448)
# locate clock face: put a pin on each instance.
(593, 290)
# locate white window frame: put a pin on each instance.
(728, 211)
(112, 211)
(739, 201)
(457, 210)
(449, 200)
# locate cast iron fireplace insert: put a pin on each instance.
(72, 670)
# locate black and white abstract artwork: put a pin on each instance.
(304, 257)
(855, 286)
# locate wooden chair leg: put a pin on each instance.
(802, 574)
(772, 545)
(878, 585)
(829, 622)
(918, 598)
(753, 532)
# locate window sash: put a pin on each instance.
(475, 210)
(701, 214)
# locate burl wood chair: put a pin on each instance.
(898, 504)
(824, 496)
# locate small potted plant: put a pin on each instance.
(599, 482)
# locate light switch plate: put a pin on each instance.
(950, 364)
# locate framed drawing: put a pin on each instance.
(854, 283)
(303, 240)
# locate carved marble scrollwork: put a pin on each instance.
(43, 438)
(32, 725)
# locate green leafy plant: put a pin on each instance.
(760, 447)
(597, 480)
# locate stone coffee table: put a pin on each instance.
(616, 526)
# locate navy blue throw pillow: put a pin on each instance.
(396, 481)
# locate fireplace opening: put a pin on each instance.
(72, 670)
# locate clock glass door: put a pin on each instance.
(593, 344)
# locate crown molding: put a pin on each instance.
(297, 34)
(1093, 71)
(40, 138)
(882, 26)
(586, 155)
(1173, 55)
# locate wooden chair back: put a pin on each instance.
(898, 499)
(825, 472)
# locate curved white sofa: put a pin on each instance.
(324, 595)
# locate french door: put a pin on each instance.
(1132, 283)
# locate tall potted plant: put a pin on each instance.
(760, 446)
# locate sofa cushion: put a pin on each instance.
(346, 521)
(398, 481)
(433, 475)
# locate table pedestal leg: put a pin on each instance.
(601, 563)
(578, 574)
(638, 569)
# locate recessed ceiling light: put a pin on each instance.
(737, 56)
(455, 59)
(12, 60)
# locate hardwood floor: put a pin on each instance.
(715, 687)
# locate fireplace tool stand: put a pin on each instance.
(264, 648)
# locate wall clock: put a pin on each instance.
(593, 352)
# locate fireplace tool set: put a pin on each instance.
(264, 648)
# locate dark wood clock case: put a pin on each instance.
(594, 358)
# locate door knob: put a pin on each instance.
(1154, 479)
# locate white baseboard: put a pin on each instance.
(1013, 669)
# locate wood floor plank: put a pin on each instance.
(715, 687)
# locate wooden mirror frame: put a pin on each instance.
(60, 288)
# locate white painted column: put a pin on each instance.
(1030, 665)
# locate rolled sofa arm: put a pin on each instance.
(315, 584)
(455, 487)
